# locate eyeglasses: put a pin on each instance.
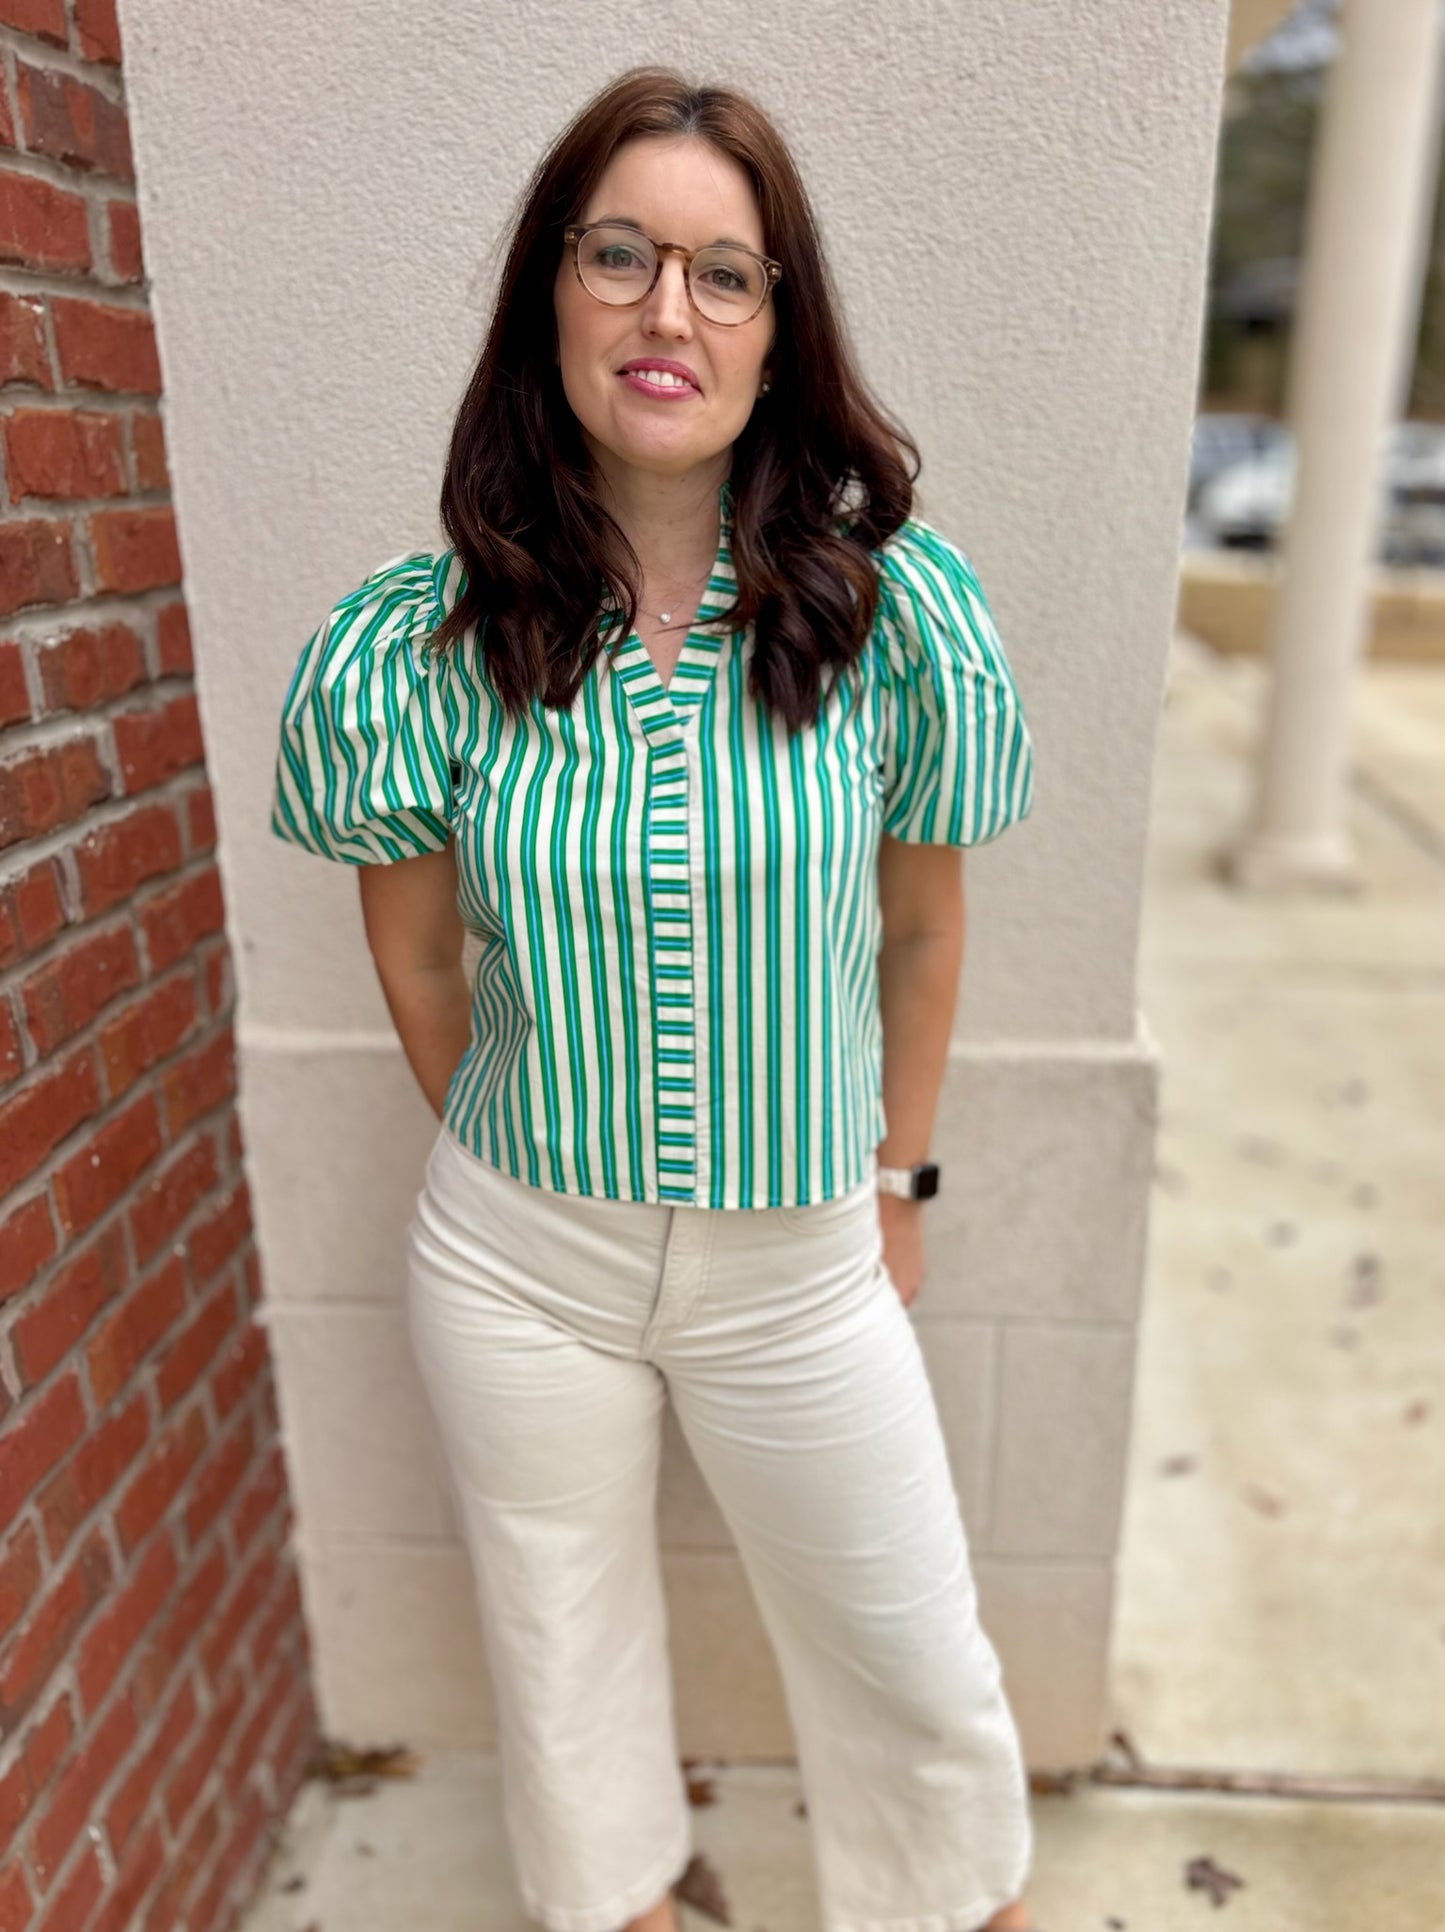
(620, 266)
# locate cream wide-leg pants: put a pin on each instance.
(549, 1329)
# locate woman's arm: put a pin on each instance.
(920, 897)
(415, 934)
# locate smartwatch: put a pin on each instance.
(916, 1183)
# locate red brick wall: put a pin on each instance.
(155, 1707)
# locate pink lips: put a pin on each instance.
(637, 382)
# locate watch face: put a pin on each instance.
(925, 1181)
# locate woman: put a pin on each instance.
(686, 1100)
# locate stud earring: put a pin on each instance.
(767, 385)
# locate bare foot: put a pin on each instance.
(1010, 1918)
(661, 1917)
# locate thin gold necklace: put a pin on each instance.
(665, 616)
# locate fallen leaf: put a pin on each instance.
(1178, 1465)
(1417, 1411)
(700, 1886)
(340, 1764)
(1203, 1875)
(701, 1791)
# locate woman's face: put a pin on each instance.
(675, 188)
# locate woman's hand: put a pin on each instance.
(416, 936)
(902, 1224)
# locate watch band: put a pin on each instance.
(916, 1183)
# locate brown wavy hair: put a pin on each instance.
(819, 478)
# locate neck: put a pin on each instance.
(670, 521)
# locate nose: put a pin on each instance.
(667, 310)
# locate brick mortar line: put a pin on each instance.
(38, 509)
(75, 610)
(9, 84)
(122, 912)
(80, 290)
(60, 840)
(38, 1181)
(64, 510)
(17, 394)
(230, 1175)
(91, 186)
(36, 622)
(100, 1517)
(241, 1890)
(190, 1665)
(260, 1774)
(245, 1884)
(82, 284)
(104, 76)
(48, 399)
(149, 698)
(15, 977)
(79, 178)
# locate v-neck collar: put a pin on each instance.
(665, 711)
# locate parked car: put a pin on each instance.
(1246, 503)
(1223, 438)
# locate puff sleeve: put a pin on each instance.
(363, 773)
(958, 759)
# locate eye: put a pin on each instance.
(727, 279)
(615, 255)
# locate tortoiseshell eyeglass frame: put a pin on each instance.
(772, 271)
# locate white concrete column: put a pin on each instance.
(1365, 233)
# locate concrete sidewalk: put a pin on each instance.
(1281, 1599)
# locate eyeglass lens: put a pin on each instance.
(617, 265)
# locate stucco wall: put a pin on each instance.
(1015, 199)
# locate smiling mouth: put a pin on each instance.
(664, 381)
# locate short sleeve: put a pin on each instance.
(958, 763)
(363, 773)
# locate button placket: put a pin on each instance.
(673, 968)
(666, 714)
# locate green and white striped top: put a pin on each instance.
(676, 995)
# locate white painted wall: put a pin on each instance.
(323, 198)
